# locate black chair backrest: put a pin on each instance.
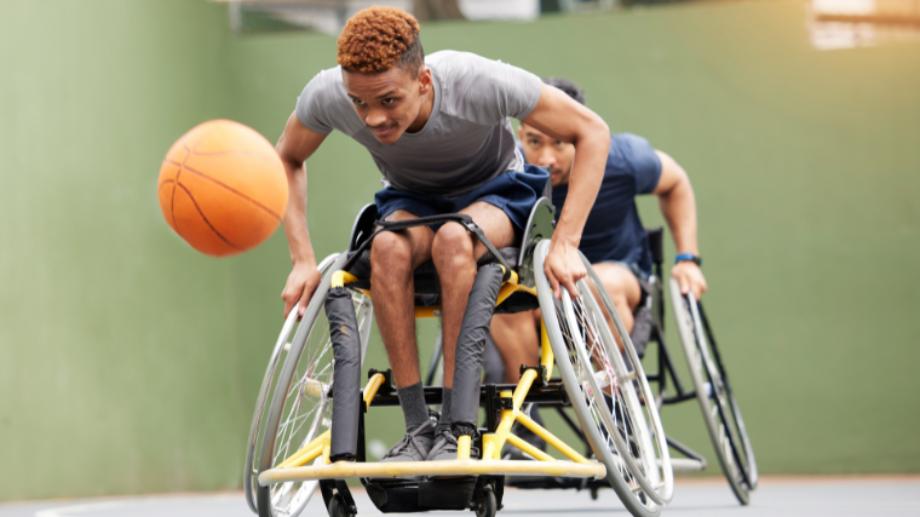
(363, 226)
(655, 238)
(654, 290)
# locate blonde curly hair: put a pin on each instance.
(378, 38)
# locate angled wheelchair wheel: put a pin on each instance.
(719, 407)
(657, 457)
(608, 394)
(300, 408)
(280, 351)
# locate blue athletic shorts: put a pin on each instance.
(514, 192)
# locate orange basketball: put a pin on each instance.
(222, 188)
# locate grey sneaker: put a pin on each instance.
(445, 446)
(415, 445)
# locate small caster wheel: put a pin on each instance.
(486, 505)
(338, 508)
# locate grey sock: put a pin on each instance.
(412, 402)
(445, 407)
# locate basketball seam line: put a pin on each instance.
(237, 192)
(205, 218)
(172, 197)
(183, 165)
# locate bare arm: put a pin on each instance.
(675, 197)
(678, 205)
(297, 143)
(561, 117)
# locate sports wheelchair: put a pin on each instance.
(308, 428)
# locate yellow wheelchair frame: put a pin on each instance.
(313, 460)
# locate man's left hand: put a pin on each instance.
(690, 278)
(563, 267)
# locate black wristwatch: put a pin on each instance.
(688, 257)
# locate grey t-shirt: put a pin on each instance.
(466, 141)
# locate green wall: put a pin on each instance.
(121, 356)
(129, 363)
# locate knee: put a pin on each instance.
(621, 302)
(391, 253)
(617, 288)
(452, 247)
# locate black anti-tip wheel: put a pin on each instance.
(339, 508)
(486, 503)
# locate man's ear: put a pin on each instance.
(424, 80)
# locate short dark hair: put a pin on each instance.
(377, 39)
(571, 89)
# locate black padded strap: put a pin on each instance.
(346, 375)
(464, 404)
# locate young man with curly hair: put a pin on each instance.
(437, 128)
(614, 238)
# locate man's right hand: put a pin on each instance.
(689, 278)
(297, 143)
(299, 286)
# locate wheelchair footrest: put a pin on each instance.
(449, 468)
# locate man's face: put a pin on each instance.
(553, 155)
(390, 102)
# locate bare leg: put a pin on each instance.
(394, 257)
(515, 336)
(454, 256)
(622, 287)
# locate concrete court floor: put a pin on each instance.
(780, 496)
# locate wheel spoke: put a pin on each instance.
(604, 382)
(604, 394)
